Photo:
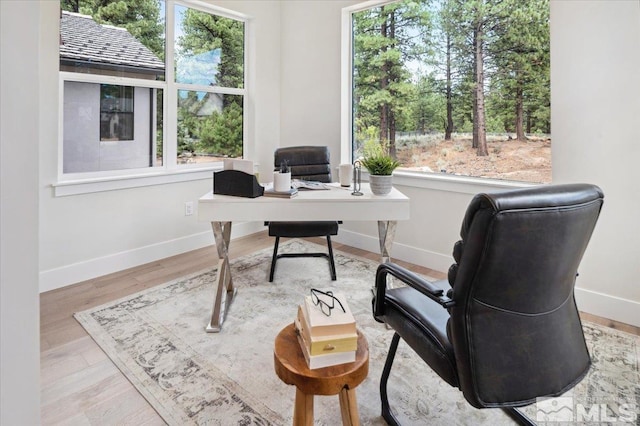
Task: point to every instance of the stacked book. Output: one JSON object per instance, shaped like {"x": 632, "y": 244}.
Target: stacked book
{"x": 269, "y": 191}
{"x": 326, "y": 340}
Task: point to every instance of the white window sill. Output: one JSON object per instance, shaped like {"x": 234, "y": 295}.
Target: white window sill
{"x": 440, "y": 182}
{"x": 452, "y": 183}
{"x": 111, "y": 183}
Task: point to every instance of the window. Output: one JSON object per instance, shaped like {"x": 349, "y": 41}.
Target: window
{"x": 153, "y": 86}
{"x": 209, "y": 79}
{"x": 451, "y": 87}
{"x": 116, "y": 112}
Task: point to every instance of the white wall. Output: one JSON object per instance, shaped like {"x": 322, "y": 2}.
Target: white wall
{"x": 295, "y": 60}
{"x": 19, "y": 296}
{"x": 83, "y": 236}
{"x": 595, "y": 110}
{"x": 310, "y": 102}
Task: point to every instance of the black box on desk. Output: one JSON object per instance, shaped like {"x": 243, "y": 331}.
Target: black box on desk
{"x": 235, "y": 182}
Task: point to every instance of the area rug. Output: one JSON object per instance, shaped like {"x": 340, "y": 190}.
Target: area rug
{"x": 157, "y": 339}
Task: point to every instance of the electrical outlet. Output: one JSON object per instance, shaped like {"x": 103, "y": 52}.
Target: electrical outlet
{"x": 188, "y": 208}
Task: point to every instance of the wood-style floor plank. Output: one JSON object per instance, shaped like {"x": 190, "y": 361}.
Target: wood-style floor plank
{"x": 81, "y": 386}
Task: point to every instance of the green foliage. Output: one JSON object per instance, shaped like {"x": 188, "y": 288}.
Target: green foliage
{"x": 221, "y": 132}
{"x": 400, "y": 77}
{"x": 381, "y": 165}
{"x": 377, "y": 160}
{"x": 204, "y": 32}
{"x": 385, "y": 41}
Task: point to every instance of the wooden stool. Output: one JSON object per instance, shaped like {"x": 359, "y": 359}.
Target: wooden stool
{"x": 341, "y": 379}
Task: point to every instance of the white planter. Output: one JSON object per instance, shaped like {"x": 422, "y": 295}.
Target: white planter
{"x": 380, "y": 185}
{"x": 281, "y": 181}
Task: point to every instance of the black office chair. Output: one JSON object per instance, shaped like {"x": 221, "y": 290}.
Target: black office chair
{"x": 306, "y": 163}
{"x": 507, "y": 331}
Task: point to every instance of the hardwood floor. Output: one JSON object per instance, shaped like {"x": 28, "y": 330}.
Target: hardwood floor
{"x": 81, "y": 386}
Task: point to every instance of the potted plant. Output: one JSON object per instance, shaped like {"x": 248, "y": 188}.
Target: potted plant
{"x": 282, "y": 178}
{"x": 380, "y": 166}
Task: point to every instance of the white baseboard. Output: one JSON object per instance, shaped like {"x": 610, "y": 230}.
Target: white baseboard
{"x": 71, "y": 274}
{"x": 600, "y": 304}
{"x": 607, "y": 306}
{"x": 416, "y": 255}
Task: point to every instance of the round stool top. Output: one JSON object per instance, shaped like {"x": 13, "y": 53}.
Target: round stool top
{"x": 292, "y": 368}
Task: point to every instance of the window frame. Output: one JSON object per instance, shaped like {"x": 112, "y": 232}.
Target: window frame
{"x": 444, "y": 182}
{"x": 170, "y": 172}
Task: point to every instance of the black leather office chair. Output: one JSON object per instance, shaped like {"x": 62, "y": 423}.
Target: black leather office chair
{"x": 507, "y": 330}
{"x": 306, "y": 163}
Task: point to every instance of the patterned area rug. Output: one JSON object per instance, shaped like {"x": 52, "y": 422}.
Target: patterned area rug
{"x": 157, "y": 339}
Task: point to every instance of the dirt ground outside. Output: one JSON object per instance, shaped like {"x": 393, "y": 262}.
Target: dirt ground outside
{"x": 508, "y": 159}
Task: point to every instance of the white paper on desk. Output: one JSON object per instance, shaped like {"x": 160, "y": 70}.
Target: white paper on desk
{"x": 237, "y": 164}
{"x": 308, "y": 184}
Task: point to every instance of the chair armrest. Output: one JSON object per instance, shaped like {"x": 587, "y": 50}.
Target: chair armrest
{"x": 412, "y": 280}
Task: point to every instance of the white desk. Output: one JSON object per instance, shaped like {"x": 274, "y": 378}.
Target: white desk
{"x": 333, "y": 204}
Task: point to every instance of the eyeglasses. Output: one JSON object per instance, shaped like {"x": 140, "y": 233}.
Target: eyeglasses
{"x": 323, "y": 305}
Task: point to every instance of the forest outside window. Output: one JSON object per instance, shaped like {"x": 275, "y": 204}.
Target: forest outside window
{"x": 149, "y": 86}
{"x": 458, "y": 88}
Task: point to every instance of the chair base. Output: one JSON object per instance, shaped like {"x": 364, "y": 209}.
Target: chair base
{"x": 517, "y": 415}
{"x": 329, "y": 257}
{"x": 387, "y": 415}
{"x": 391, "y": 420}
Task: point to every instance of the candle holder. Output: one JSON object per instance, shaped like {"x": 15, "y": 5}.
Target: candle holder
{"x": 357, "y": 178}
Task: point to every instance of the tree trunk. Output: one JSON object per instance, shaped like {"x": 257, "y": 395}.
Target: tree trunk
{"x": 75, "y": 5}
{"x": 392, "y": 116}
{"x": 384, "y": 84}
{"x": 519, "y": 115}
{"x": 474, "y": 99}
{"x": 449, "y": 124}
{"x": 479, "y": 122}
{"x": 392, "y": 135}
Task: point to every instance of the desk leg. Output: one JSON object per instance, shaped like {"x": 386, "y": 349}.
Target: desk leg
{"x": 225, "y": 291}
{"x": 386, "y": 234}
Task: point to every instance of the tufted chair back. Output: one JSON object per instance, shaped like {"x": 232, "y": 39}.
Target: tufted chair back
{"x": 514, "y": 325}
{"x": 504, "y": 328}
{"x": 310, "y": 163}
{"x": 306, "y": 162}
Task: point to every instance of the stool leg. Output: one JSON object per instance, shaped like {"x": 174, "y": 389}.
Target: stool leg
{"x": 303, "y": 409}
{"x": 349, "y": 407}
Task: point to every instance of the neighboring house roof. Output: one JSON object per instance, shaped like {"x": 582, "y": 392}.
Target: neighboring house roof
{"x": 82, "y": 40}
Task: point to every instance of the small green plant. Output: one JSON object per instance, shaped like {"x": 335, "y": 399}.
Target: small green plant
{"x": 284, "y": 167}
{"x": 377, "y": 161}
